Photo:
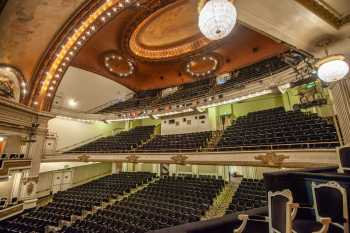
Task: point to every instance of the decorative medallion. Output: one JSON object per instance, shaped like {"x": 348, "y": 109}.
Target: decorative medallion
{"x": 12, "y": 84}
{"x": 31, "y": 179}
{"x": 202, "y": 66}
{"x": 30, "y": 188}
{"x": 179, "y": 159}
{"x": 84, "y": 158}
{"x": 132, "y": 159}
{"x": 118, "y": 65}
{"x": 158, "y": 35}
{"x": 272, "y": 159}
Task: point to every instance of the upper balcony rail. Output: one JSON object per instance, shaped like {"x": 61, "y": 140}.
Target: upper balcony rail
{"x": 302, "y": 146}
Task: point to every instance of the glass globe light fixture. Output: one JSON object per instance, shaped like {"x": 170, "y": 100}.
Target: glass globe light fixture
{"x": 217, "y": 19}
{"x": 332, "y": 68}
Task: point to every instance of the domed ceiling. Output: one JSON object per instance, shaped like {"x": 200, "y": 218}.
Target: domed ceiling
{"x": 168, "y": 33}
{"x": 164, "y": 47}
{"x": 158, "y": 41}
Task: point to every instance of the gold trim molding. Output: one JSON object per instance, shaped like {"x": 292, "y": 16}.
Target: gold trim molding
{"x": 323, "y": 12}
{"x": 132, "y": 159}
{"x": 84, "y": 158}
{"x": 272, "y": 159}
{"x": 34, "y": 179}
{"x": 179, "y": 159}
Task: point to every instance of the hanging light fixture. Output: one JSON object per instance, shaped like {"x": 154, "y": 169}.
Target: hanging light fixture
{"x": 332, "y": 67}
{"x": 217, "y": 18}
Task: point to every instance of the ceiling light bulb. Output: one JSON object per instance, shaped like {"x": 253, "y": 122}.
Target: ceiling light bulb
{"x": 332, "y": 68}
{"x": 72, "y": 103}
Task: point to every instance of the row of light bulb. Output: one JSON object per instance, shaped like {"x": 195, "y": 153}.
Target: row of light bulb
{"x": 78, "y": 38}
{"x": 113, "y": 57}
{"x": 202, "y": 74}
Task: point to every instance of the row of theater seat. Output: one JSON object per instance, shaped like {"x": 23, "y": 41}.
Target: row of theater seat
{"x": 263, "y": 130}
{"x": 167, "y": 202}
{"x": 177, "y": 142}
{"x": 122, "y": 142}
{"x": 292, "y": 129}
{"x": 250, "y": 194}
{"x": 74, "y": 202}
{"x": 202, "y": 88}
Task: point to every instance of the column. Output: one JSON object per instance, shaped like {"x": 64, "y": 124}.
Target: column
{"x": 13, "y": 144}
{"x": 117, "y": 167}
{"x": 341, "y": 98}
{"x": 30, "y": 179}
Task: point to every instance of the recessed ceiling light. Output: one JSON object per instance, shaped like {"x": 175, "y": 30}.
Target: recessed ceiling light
{"x": 72, "y": 103}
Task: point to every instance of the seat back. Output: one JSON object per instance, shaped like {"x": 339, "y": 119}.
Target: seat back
{"x": 330, "y": 200}
{"x": 280, "y": 214}
{"x": 344, "y": 158}
{"x": 3, "y": 202}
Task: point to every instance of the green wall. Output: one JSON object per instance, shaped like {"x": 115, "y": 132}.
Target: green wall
{"x": 257, "y": 104}
{"x": 143, "y": 122}
{"x": 290, "y": 97}
{"x": 235, "y": 110}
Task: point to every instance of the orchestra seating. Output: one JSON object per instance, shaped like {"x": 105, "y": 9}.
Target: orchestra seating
{"x": 281, "y": 129}
{"x": 121, "y": 142}
{"x": 177, "y": 142}
{"x": 187, "y": 93}
{"x": 250, "y": 194}
{"x": 167, "y": 202}
{"x": 75, "y": 201}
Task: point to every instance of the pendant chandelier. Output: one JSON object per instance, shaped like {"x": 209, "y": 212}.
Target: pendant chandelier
{"x": 217, "y": 18}
{"x": 332, "y": 67}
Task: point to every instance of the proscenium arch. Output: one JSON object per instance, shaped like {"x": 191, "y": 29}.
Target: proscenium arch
{"x": 85, "y": 22}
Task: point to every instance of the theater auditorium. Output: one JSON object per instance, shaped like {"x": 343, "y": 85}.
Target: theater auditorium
{"x": 174, "y": 116}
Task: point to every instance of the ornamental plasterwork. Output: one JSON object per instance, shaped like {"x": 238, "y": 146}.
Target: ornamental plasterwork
{"x": 272, "y": 159}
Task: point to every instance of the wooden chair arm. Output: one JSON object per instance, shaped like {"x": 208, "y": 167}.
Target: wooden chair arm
{"x": 325, "y": 225}
{"x": 294, "y": 208}
{"x": 244, "y": 218}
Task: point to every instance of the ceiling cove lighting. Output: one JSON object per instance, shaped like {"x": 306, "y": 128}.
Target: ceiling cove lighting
{"x": 234, "y": 100}
{"x": 156, "y": 116}
{"x": 217, "y": 18}
{"x": 128, "y": 119}
{"x": 332, "y": 68}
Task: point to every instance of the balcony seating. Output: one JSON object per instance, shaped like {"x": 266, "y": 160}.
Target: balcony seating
{"x": 252, "y": 73}
{"x": 139, "y": 99}
{"x": 5, "y": 156}
{"x": 281, "y": 129}
{"x": 168, "y": 202}
{"x": 121, "y": 142}
{"x": 249, "y": 195}
{"x": 187, "y": 93}
{"x": 189, "y": 142}
{"x": 75, "y": 201}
